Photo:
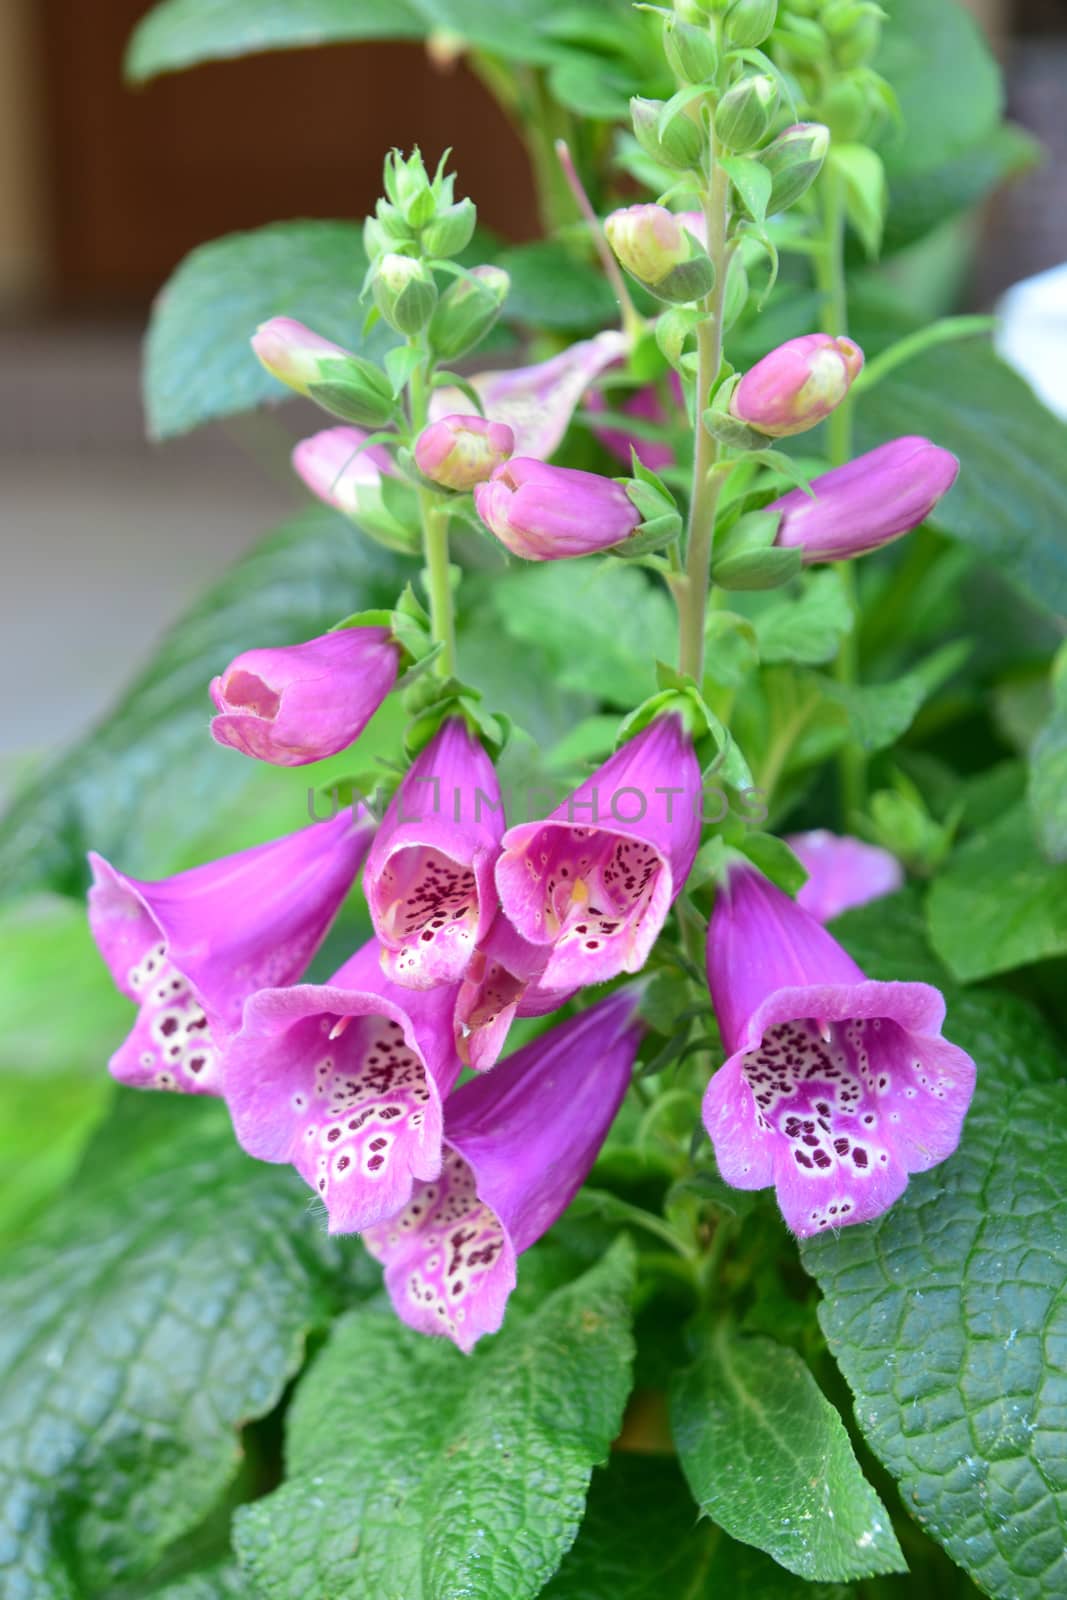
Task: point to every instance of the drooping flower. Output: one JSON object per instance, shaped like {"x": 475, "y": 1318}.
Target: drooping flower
{"x": 866, "y": 503}
{"x": 344, "y": 1080}
{"x": 842, "y": 872}
{"x": 296, "y": 703}
{"x": 458, "y": 452}
{"x": 546, "y": 513}
{"x": 797, "y": 385}
{"x": 334, "y": 465}
{"x": 429, "y": 876}
{"x": 191, "y": 948}
{"x": 537, "y": 402}
{"x": 835, "y": 1086}
{"x": 519, "y": 1143}
{"x": 595, "y": 880}
{"x": 502, "y": 982}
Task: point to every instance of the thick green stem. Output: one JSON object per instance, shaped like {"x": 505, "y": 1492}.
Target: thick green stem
{"x": 830, "y": 279}
{"x": 434, "y": 539}
{"x": 691, "y": 592}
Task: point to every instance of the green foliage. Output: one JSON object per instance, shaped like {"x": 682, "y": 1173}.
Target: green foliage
{"x": 148, "y": 786}
{"x": 808, "y": 627}
{"x": 795, "y": 1488}
{"x": 160, "y": 1304}
{"x": 414, "y": 1471}
{"x": 550, "y": 288}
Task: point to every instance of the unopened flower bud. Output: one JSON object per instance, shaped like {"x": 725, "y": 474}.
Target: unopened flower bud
{"x": 681, "y": 143}
{"x": 451, "y": 230}
{"x": 855, "y": 29}
{"x": 846, "y": 109}
{"x": 748, "y": 22}
{"x": 690, "y": 50}
{"x": 658, "y": 250}
{"x": 547, "y": 513}
{"x": 467, "y": 310}
{"x": 404, "y": 292}
{"x": 458, "y": 452}
{"x": 797, "y": 385}
{"x": 746, "y": 111}
{"x": 794, "y": 161}
{"x": 345, "y": 385}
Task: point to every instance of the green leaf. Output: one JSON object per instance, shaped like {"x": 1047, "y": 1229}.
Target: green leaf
{"x": 159, "y": 1305}
{"x": 220, "y": 1582}
{"x": 198, "y": 361}
{"x": 1047, "y": 787}
{"x": 866, "y": 195}
{"x": 639, "y": 1542}
{"x": 1010, "y": 501}
{"x": 808, "y": 628}
{"x": 793, "y": 1486}
{"x": 775, "y": 859}
{"x": 998, "y": 904}
{"x": 600, "y": 624}
{"x": 179, "y": 33}
{"x": 946, "y": 1316}
{"x": 551, "y": 289}
{"x": 752, "y": 182}
{"x": 416, "y": 1472}
{"x": 879, "y": 713}
{"x": 148, "y": 785}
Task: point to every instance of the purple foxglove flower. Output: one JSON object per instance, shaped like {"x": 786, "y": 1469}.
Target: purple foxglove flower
{"x": 835, "y": 1087}
{"x": 866, "y": 503}
{"x": 797, "y": 385}
{"x": 595, "y": 880}
{"x": 646, "y": 406}
{"x": 518, "y": 1146}
{"x": 344, "y": 1080}
{"x": 458, "y": 452}
{"x": 538, "y": 402}
{"x": 546, "y": 513}
{"x": 292, "y": 352}
{"x": 296, "y": 703}
{"x": 502, "y": 982}
{"x": 335, "y": 468}
{"x": 429, "y": 877}
{"x": 190, "y": 949}
{"x": 842, "y": 872}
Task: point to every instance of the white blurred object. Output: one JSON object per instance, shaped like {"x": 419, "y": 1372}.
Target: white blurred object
{"x": 1032, "y": 334}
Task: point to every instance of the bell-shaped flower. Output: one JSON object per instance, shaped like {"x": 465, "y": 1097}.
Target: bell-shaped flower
{"x": 503, "y": 982}
{"x": 594, "y": 881}
{"x": 345, "y": 1080}
{"x": 457, "y": 452}
{"x": 191, "y": 948}
{"x": 835, "y": 1086}
{"x": 866, "y": 503}
{"x": 335, "y": 465}
{"x": 296, "y": 703}
{"x": 546, "y": 513}
{"x": 519, "y": 1143}
{"x": 538, "y": 402}
{"x": 429, "y": 876}
{"x": 797, "y": 385}
{"x": 842, "y": 872}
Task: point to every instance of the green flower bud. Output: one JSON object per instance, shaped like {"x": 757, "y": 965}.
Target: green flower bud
{"x": 691, "y": 51}
{"x": 681, "y": 144}
{"x": 451, "y": 230}
{"x": 405, "y": 179}
{"x": 467, "y": 310}
{"x": 404, "y": 292}
{"x": 746, "y": 111}
{"x": 748, "y": 22}
{"x": 354, "y": 390}
{"x": 658, "y": 250}
{"x": 855, "y": 30}
{"x": 846, "y": 110}
{"x": 805, "y": 40}
{"x": 794, "y": 160}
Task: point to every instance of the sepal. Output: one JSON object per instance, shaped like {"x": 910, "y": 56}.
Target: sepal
{"x": 432, "y": 700}
{"x": 355, "y": 390}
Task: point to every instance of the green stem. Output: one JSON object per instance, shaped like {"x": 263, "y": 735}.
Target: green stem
{"x": 691, "y": 593}
{"x": 434, "y": 517}
{"x": 830, "y": 280}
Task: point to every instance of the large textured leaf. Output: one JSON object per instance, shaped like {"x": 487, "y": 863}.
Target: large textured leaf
{"x": 148, "y": 783}
{"x": 1010, "y": 501}
{"x": 998, "y": 904}
{"x": 767, "y": 1458}
{"x": 163, "y": 1302}
{"x": 415, "y": 1472}
{"x": 948, "y": 1316}
{"x": 551, "y": 289}
{"x": 198, "y": 364}
{"x": 179, "y": 33}
{"x": 639, "y": 1541}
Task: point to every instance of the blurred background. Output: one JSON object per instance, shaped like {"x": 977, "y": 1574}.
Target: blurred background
{"x": 103, "y": 189}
